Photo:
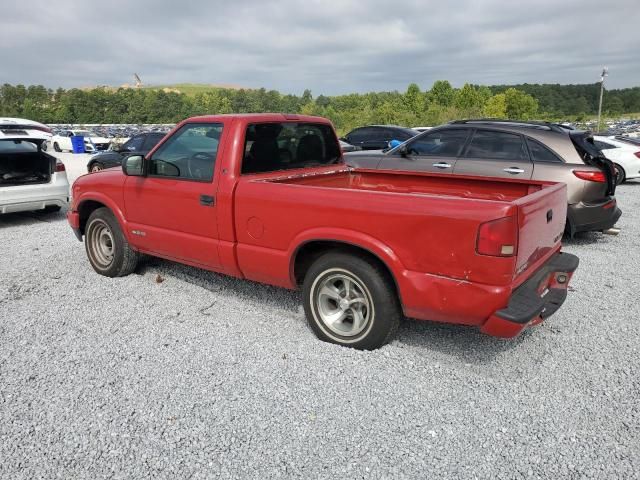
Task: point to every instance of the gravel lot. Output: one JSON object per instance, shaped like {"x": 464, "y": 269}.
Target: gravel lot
{"x": 201, "y": 375}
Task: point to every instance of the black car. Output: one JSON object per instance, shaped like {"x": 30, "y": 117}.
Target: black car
{"x": 139, "y": 144}
{"x": 377, "y": 137}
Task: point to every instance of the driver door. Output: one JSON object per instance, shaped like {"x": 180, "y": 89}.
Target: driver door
{"x": 172, "y": 209}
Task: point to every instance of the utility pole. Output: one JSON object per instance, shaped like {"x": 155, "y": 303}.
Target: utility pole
{"x": 605, "y": 72}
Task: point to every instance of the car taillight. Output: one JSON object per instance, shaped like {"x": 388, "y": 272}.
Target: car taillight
{"x": 498, "y": 238}
{"x": 590, "y": 176}
{"x": 60, "y": 166}
{"x": 637, "y": 154}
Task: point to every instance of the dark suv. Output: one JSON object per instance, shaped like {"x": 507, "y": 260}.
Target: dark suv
{"x": 139, "y": 144}
{"x": 510, "y": 149}
{"x": 377, "y": 137}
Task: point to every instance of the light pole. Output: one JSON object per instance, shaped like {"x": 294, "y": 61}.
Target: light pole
{"x": 605, "y": 73}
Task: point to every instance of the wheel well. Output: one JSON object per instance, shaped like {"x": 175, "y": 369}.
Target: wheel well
{"x": 310, "y": 252}
{"x": 85, "y": 209}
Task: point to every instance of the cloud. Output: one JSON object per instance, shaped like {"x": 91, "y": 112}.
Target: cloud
{"x": 331, "y": 46}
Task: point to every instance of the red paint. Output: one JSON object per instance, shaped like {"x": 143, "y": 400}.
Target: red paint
{"x": 423, "y": 226}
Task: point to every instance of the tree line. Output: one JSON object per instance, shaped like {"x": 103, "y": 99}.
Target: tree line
{"x": 414, "y": 107}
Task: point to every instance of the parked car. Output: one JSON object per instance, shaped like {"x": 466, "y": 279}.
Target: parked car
{"x": 628, "y": 140}
{"x": 377, "y": 137}
{"x": 30, "y": 178}
{"x": 365, "y": 247}
{"x": 624, "y": 155}
{"x": 92, "y": 142}
{"x": 139, "y": 144}
{"x": 347, "y": 147}
{"x": 27, "y": 127}
{"x": 528, "y": 150}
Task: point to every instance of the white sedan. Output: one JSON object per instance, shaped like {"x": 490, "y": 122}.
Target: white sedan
{"x": 30, "y": 178}
{"x": 27, "y": 127}
{"x": 92, "y": 142}
{"x": 625, "y": 156}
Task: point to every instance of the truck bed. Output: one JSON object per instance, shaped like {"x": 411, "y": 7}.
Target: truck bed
{"x": 420, "y": 184}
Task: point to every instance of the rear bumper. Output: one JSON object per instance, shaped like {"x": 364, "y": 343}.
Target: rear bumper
{"x": 26, "y": 198}
{"x": 592, "y": 217}
{"x": 536, "y": 299}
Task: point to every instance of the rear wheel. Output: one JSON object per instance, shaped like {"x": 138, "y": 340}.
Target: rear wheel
{"x": 621, "y": 175}
{"x": 107, "y": 248}
{"x": 96, "y": 167}
{"x": 56, "y": 147}
{"x": 351, "y": 301}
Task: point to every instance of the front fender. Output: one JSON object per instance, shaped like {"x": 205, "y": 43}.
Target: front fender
{"x": 107, "y": 202}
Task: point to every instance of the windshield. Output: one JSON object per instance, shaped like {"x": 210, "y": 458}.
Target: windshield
{"x": 17, "y": 146}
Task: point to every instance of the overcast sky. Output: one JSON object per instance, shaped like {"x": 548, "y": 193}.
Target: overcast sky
{"x": 330, "y": 47}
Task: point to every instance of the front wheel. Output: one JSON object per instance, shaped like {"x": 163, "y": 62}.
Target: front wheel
{"x": 351, "y": 301}
{"x": 56, "y": 147}
{"x": 96, "y": 167}
{"x": 107, "y": 248}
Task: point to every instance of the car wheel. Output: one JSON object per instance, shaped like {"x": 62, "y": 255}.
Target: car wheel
{"x": 56, "y": 147}
{"x": 107, "y": 248}
{"x": 52, "y": 208}
{"x": 621, "y": 175}
{"x": 351, "y": 301}
{"x": 96, "y": 167}
{"x": 44, "y": 146}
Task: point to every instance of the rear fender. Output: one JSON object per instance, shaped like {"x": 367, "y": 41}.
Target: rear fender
{"x": 349, "y": 237}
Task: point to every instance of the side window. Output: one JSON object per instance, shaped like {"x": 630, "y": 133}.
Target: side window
{"x": 189, "y": 154}
{"x": 540, "y": 153}
{"x": 151, "y": 141}
{"x": 281, "y": 146}
{"x": 498, "y": 145}
{"x": 355, "y": 136}
{"x": 134, "y": 144}
{"x": 445, "y": 143}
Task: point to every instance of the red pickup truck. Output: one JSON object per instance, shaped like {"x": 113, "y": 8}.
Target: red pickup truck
{"x": 268, "y": 198}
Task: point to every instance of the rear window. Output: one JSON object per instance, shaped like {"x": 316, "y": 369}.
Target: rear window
{"x": 540, "y": 153}
{"x": 282, "y": 146}
{"x": 17, "y": 146}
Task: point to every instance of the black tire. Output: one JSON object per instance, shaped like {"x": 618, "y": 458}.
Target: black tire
{"x": 52, "y": 208}
{"x": 96, "y": 167}
{"x": 379, "y": 318}
{"x": 621, "y": 175}
{"x": 103, "y": 234}
{"x": 56, "y": 147}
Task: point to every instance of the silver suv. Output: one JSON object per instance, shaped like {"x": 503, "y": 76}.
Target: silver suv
{"x": 509, "y": 149}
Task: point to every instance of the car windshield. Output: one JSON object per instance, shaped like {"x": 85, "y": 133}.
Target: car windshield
{"x": 17, "y": 146}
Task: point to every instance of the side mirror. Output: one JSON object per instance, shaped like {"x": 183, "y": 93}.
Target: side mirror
{"x": 132, "y": 166}
{"x": 394, "y": 143}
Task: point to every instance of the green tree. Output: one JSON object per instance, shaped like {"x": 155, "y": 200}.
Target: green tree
{"x": 520, "y": 105}
{"x": 442, "y": 93}
{"x": 496, "y": 106}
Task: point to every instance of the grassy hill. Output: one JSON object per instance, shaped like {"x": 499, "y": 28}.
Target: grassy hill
{"x": 192, "y": 89}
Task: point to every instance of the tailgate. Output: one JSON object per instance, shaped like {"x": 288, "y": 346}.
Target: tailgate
{"x": 541, "y": 219}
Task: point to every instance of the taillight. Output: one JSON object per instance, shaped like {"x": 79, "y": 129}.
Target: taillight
{"x": 60, "y": 166}
{"x": 590, "y": 176}
{"x": 498, "y": 238}
{"x": 637, "y": 154}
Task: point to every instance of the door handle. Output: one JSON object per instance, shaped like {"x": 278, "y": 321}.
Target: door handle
{"x": 513, "y": 170}
{"x": 442, "y": 165}
{"x": 207, "y": 200}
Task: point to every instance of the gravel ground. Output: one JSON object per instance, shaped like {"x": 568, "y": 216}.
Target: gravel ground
{"x": 177, "y": 373}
